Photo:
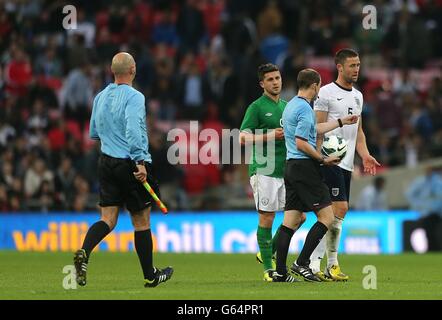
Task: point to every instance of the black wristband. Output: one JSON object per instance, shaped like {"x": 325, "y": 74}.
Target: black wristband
{"x": 340, "y": 123}
{"x": 140, "y": 162}
{"x": 321, "y": 161}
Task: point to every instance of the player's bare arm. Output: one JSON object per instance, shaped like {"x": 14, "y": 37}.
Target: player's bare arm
{"x": 321, "y": 116}
{"x": 247, "y": 137}
{"x": 325, "y": 127}
{"x": 369, "y": 162}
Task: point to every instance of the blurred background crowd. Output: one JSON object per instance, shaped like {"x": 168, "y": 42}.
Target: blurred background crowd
{"x": 197, "y": 60}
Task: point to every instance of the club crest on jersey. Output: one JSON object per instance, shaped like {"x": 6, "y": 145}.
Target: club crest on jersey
{"x": 335, "y": 192}
{"x": 358, "y": 102}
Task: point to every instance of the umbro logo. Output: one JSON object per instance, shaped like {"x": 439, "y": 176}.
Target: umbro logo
{"x": 339, "y": 99}
{"x": 269, "y": 114}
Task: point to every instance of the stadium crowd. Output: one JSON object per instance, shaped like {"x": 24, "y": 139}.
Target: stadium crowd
{"x": 197, "y": 60}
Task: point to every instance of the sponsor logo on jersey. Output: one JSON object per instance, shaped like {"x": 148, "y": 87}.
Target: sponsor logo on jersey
{"x": 269, "y": 114}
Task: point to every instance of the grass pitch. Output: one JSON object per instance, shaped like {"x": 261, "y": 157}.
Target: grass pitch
{"x": 213, "y": 276}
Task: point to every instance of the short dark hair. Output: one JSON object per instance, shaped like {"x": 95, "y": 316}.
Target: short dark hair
{"x": 266, "y": 68}
{"x": 307, "y": 77}
{"x": 343, "y": 54}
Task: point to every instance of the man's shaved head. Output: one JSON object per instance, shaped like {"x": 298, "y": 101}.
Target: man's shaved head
{"x": 122, "y": 64}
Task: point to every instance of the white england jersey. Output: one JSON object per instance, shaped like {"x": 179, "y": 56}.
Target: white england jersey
{"x": 340, "y": 102}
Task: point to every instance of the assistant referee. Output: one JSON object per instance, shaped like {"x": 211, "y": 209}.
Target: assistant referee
{"x": 119, "y": 121}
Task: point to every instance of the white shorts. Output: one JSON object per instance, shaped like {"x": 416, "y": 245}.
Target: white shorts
{"x": 269, "y": 193}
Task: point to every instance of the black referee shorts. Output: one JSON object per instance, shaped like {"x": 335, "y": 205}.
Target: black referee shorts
{"x": 119, "y": 187}
{"x": 304, "y": 186}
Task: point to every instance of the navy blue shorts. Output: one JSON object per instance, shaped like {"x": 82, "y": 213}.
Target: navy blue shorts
{"x": 338, "y": 181}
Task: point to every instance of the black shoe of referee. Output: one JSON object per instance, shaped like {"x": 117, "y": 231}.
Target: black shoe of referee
{"x": 305, "y": 272}
{"x": 161, "y": 275}
{"x": 283, "y": 277}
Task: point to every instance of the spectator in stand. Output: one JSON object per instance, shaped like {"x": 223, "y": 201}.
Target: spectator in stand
{"x": 7, "y": 175}
{"x": 420, "y": 121}
{"x": 18, "y": 73}
{"x": 64, "y": 181}
{"x": 81, "y": 194}
{"x": 274, "y": 44}
{"x": 165, "y": 30}
{"x": 373, "y": 196}
{"x": 190, "y": 26}
{"x": 425, "y": 196}
{"x": 46, "y": 197}
{"x": 49, "y": 64}
{"x": 7, "y": 133}
{"x": 4, "y": 203}
{"x": 38, "y": 119}
{"x": 404, "y": 84}
{"x": 117, "y": 22}
{"x": 35, "y": 176}
{"x": 191, "y": 89}
{"x": 77, "y": 94}
{"x": 84, "y": 28}
{"x": 6, "y": 26}
{"x": 77, "y": 52}
{"x": 106, "y": 48}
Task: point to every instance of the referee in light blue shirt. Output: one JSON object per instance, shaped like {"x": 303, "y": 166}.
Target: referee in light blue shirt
{"x": 119, "y": 122}
{"x": 305, "y": 189}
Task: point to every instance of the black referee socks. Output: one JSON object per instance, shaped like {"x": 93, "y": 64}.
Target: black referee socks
{"x": 94, "y": 235}
{"x": 282, "y": 248}
{"x": 144, "y": 247}
{"x": 312, "y": 240}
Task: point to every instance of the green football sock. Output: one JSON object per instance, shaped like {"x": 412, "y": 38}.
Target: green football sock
{"x": 264, "y": 236}
{"x": 275, "y": 239}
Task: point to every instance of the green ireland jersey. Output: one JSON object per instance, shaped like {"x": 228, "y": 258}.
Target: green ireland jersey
{"x": 266, "y": 114}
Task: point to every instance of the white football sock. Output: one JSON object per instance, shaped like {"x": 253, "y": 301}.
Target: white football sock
{"x": 333, "y": 236}
{"x": 317, "y": 255}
